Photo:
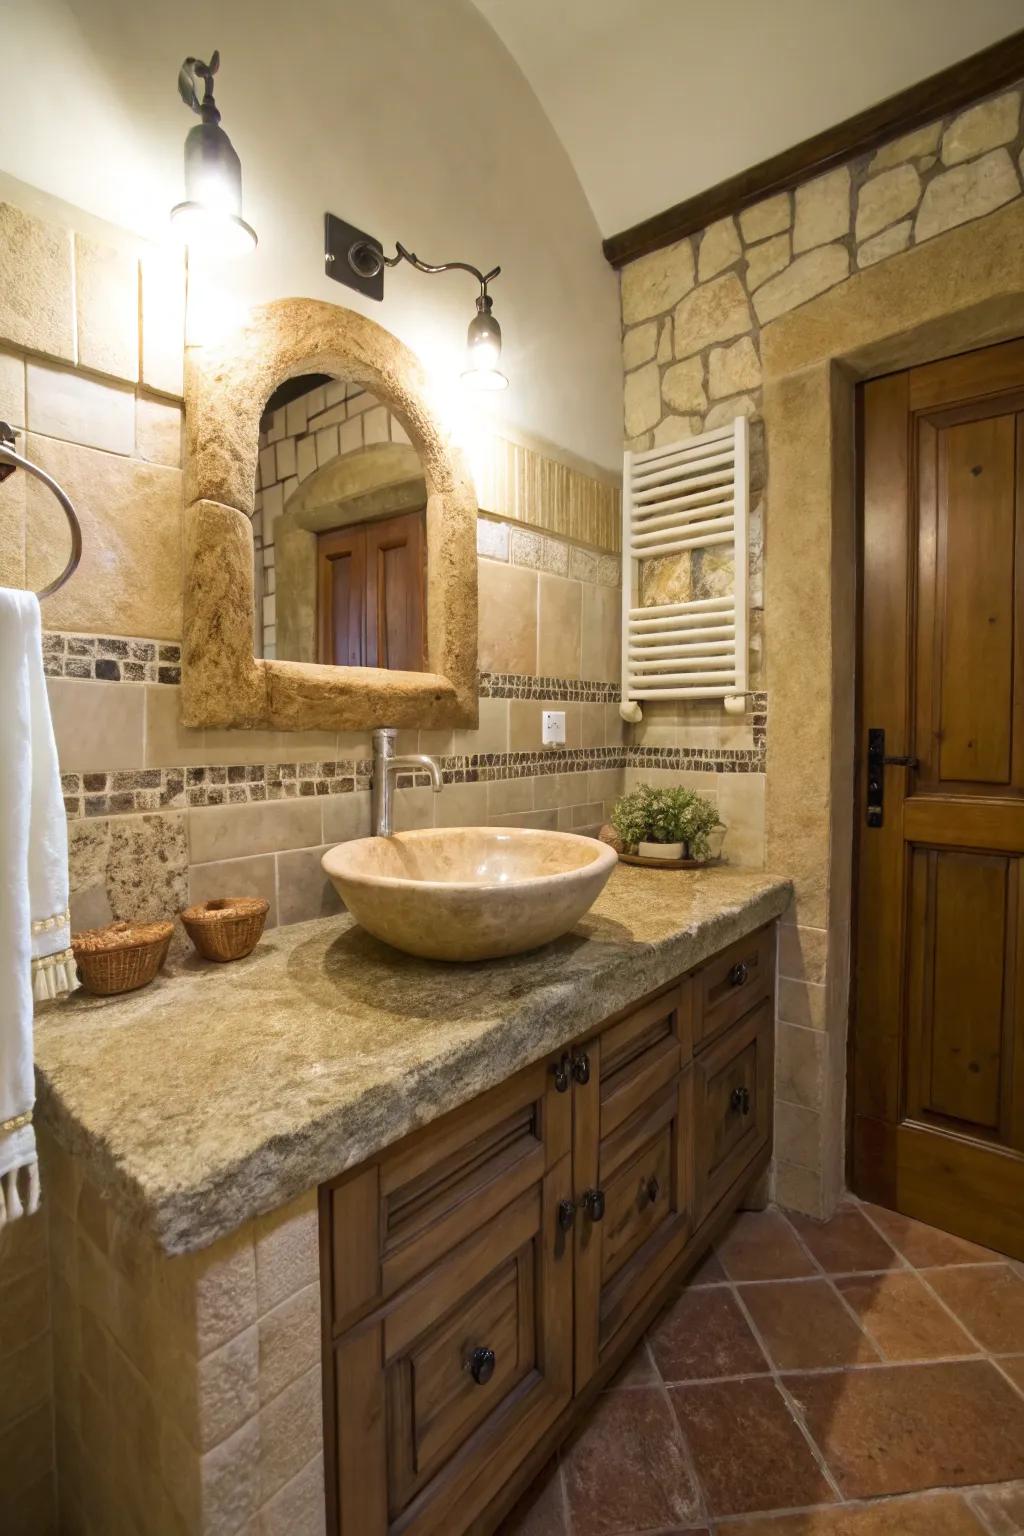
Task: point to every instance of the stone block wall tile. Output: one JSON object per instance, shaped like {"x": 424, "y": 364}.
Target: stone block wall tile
{"x": 601, "y": 643}
{"x": 289, "y": 1335}
{"x": 36, "y": 285}
{"x": 886, "y": 198}
{"x": 251, "y": 876}
{"x": 804, "y": 279}
{"x": 767, "y": 258}
{"x": 13, "y": 502}
{"x": 822, "y": 210}
{"x": 909, "y": 146}
{"x": 290, "y": 1428}
{"x": 12, "y": 388}
{"x": 287, "y": 1250}
{"x": 725, "y": 411}
{"x": 889, "y": 243}
{"x": 230, "y": 1477}
{"x": 665, "y": 341}
{"x": 673, "y": 428}
{"x": 158, "y": 430}
{"x": 238, "y": 831}
{"x": 733, "y": 369}
{"x": 297, "y": 1509}
{"x": 797, "y": 1135}
{"x": 984, "y": 126}
{"x": 107, "y": 308}
{"x": 63, "y": 403}
{"x": 98, "y": 727}
{"x": 559, "y": 626}
{"x": 508, "y": 619}
{"x": 803, "y": 952}
{"x": 227, "y": 1389}
{"x": 303, "y": 890}
{"x": 27, "y": 1451}
{"x": 212, "y": 1293}
{"x": 798, "y": 1189}
{"x": 642, "y": 399}
{"x": 682, "y": 386}
{"x": 526, "y": 548}
{"x": 802, "y": 1002}
{"x": 741, "y": 807}
{"x": 162, "y": 270}
{"x": 769, "y": 217}
{"x": 639, "y": 344}
{"x": 719, "y": 248}
{"x": 799, "y": 1065}
{"x": 716, "y": 311}
{"x": 652, "y": 284}
{"x": 966, "y": 192}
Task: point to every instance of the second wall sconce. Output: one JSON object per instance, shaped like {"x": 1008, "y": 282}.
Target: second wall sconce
{"x": 357, "y": 260}
{"x": 211, "y": 215}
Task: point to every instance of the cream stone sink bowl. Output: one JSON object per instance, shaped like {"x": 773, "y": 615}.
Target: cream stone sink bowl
{"x": 469, "y": 893}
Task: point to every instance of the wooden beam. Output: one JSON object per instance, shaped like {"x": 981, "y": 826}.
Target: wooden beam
{"x": 979, "y": 75}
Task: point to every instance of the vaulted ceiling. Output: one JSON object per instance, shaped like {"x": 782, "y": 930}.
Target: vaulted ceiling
{"x": 655, "y": 100}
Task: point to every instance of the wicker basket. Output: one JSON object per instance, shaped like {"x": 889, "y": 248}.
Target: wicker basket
{"x": 120, "y": 957}
{"x": 226, "y": 928}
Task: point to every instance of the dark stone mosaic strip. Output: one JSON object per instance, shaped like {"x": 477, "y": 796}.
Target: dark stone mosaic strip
{"x": 110, "y": 658}
{"x": 510, "y": 685}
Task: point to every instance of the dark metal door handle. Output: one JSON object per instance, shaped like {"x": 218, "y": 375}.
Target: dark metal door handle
{"x": 593, "y": 1204}
{"x": 566, "y": 1214}
{"x": 739, "y": 1100}
{"x": 899, "y": 762}
{"x": 561, "y": 1072}
{"x": 653, "y": 1189}
{"x": 581, "y": 1067}
{"x": 738, "y": 975}
{"x": 481, "y": 1365}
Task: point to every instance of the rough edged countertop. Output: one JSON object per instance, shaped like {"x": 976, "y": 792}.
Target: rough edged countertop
{"x": 221, "y": 1091}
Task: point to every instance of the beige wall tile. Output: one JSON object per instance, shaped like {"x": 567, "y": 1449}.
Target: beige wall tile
{"x": 287, "y": 1251}
{"x": 253, "y": 876}
{"x": 560, "y": 617}
{"x": 797, "y": 1135}
{"x": 298, "y": 1508}
{"x": 799, "y": 1065}
{"x": 592, "y": 725}
{"x": 163, "y": 319}
{"x": 551, "y": 790}
{"x": 346, "y": 816}
{"x": 414, "y": 808}
{"x": 289, "y": 1341}
{"x": 491, "y": 734}
{"x": 798, "y": 1189}
{"x": 290, "y": 1425}
{"x": 803, "y": 952}
{"x": 229, "y": 1482}
{"x": 169, "y": 744}
{"x": 602, "y": 633}
{"x": 238, "y": 746}
{"x": 12, "y": 388}
{"x": 546, "y": 820}
{"x": 604, "y": 784}
{"x": 12, "y": 530}
{"x": 802, "y": 1002}
{"x": 741, "y": 798}
{"x": 227, "y": 1387}
{"x": 234, "y": 831}
{"x": 303, "y": 890}
{"x": 505, "y": 796}
{"x": 98, "y": 726}
{"x": 64, "y": 403}
{"x": 461, "y": 805}
{"x": 130, "y": 578}
{"x": 508, "y": 618}
{"x": 36, "y": 297}
{"x": 158, "y": 430}
{"x": 107, "y": 308}
{"x": 615, "y": 727}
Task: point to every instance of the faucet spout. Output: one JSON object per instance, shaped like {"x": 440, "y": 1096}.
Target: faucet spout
{"x": 385, "y": 766}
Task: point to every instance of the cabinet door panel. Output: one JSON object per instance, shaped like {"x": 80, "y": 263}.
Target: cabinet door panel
{"x": 733, "y": 1108}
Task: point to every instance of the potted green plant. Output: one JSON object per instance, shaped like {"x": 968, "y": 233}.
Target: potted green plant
{"x": 665, "y": 823}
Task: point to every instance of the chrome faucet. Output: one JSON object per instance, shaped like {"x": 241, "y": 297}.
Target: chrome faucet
{"x": 385, "y": 766}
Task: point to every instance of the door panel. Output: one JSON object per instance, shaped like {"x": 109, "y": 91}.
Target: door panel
{"x": 341, "y": 560}
{"x": 394, "y": 593}
{"x": 938, "y": 1044}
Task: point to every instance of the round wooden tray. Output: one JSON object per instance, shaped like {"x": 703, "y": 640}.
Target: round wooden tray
{"x": 635, "y": 858}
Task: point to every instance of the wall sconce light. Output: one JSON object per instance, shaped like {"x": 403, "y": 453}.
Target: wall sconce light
{"x": 357, "y": 260}
{"x": 211, "y": 215}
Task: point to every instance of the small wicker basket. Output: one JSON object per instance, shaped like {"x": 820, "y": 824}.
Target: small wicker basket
{"x": 120, "y": 957}
{"x": 226, "y": 928}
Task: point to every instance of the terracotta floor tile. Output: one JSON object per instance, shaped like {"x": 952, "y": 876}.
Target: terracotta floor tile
{"x": 1014, "y": 1368}
{"x": 902, "y": 1316}
{"x": 749, "y": 1452}
{"x": 638, "y": 1370}
{"x": 1002, "y": 1508}
{"x": 760, "y": 1246}
{"x": 845, "y": 1243}
{"x": 989, "y": 1301}
{"x": 627, "y": 1470}
{"x": 710, "y": 1272}
{"x": 933, "y": 1514}
{"x": 703, "y": 1335}
{"x": 921, "y": 1245}
{"x": 542, "y": 1512}
{"x": 804, "y": 1325}
{"x": 901, "y": 1428}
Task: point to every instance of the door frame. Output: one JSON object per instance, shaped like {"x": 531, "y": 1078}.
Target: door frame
{"x": 957, "y": 292}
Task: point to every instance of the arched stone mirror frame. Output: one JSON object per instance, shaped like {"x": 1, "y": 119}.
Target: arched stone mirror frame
{"x": 227, "y": 385}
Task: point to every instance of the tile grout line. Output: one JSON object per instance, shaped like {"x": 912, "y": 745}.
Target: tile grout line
{"x": 831, "y": 1279}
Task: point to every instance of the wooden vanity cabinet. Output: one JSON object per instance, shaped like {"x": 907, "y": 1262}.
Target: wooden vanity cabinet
{"x": 484, "y": 1278}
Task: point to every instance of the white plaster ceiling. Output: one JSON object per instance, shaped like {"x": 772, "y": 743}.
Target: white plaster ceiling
{"x": 656, "y": 100}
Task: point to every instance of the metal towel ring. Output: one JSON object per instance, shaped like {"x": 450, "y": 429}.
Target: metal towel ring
{"x": 14, "y": 461}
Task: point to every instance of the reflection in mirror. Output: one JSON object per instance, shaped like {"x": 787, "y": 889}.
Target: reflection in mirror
{"x": 339, "y": 530}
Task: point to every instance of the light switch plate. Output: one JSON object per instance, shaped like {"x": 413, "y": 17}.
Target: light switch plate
{"x": 552, "y": 727}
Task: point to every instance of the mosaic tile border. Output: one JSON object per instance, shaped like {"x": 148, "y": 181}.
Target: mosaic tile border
{"x": 111, "y": 658}
{"x": 570, "y": 690}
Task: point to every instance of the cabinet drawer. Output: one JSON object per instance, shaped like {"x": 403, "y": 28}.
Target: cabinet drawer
{"x": 397, "y": 1216}
{"x": 733, "y": 1108}
{"x": 641, "y": 1053}
{"x": 733, "y": 982}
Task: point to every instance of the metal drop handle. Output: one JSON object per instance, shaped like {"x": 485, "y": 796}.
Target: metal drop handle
{"x": 593, "y": 1204}
{"x": 738, "y": 975}
{"x": 481, "y": 1365}
{"x": 739, "y": 1100}
{"x": 581, "y": 1067}
{"x": 653, "y": 1189}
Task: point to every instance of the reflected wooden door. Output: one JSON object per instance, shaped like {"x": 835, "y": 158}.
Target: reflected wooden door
{"x": 938, "y": 1045}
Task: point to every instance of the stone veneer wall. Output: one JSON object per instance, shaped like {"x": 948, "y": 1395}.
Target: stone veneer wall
{"x": 692, "y": 318}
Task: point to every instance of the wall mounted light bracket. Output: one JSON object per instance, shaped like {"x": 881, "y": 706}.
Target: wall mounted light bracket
{"x": 357, "y": 259}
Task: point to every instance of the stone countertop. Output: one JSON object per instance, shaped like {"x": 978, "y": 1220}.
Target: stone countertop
{"x": 221, "y": 1091}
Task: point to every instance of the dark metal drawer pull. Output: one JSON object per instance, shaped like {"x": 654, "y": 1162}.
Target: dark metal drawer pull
{"x": 653, "y": 1189}
{"x": 481, "y": 1365}
{"x": 738, "y": 975}
{"x": 561, "y": 1071}
{"x": 581, "y": 1067}
{"x": 739, "y": 1100}
{"x": 566, "y": 1214}
{"x": 593, "y": 1204}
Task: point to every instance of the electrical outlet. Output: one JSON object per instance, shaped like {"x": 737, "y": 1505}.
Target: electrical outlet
{"x": 552, "y": 727}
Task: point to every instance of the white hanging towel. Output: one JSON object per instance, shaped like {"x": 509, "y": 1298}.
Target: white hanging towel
{"x": 35, "y": 925}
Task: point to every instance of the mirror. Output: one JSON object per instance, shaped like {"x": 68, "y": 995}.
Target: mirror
{"x": 339, "y": 530}
{"x": 251, "y": 641}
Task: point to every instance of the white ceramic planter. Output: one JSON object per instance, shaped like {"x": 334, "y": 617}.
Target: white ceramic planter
{"x": 660, "y": 850}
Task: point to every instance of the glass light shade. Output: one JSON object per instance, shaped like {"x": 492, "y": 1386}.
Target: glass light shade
{"x": 211, "y": 216}
{"x": 483, "y": 349}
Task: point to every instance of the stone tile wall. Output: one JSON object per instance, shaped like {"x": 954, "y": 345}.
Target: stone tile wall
{"x": 693, "y": 316}
{"x": 189, "y": 1389}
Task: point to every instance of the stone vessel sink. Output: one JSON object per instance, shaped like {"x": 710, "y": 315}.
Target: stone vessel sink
{"x": 469, "y": 893}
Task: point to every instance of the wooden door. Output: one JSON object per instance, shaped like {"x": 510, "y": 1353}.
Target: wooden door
{"x": 370, "y": 594}
{"x": 447, "y": 1312}
{"x": 938, "y": 1056}
{"x": 632, "y": 1167}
